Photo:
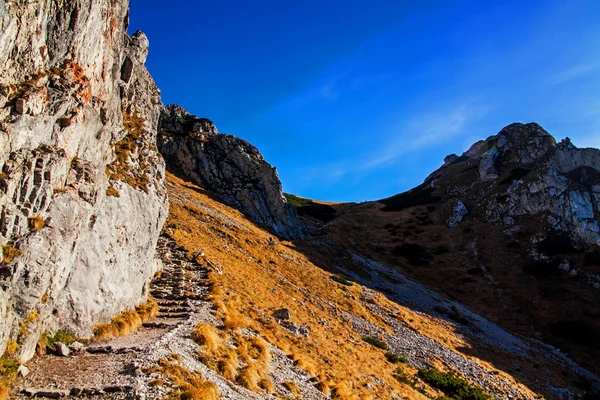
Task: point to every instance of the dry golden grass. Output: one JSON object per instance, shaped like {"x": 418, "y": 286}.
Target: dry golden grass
{"x": 249, "y": 377}
{"x": 4, "y": 391}
{"x": 36, "y": 223}
{"x": 127, "y": 321}
{"x": 227, "y": 365}
{"x": 190, "y": 385}
{"x": 206, "y": 335}
{"x": 111, "y": 191}
{"x": 234, "y": 320}
{"x": 344, "y": 391}
{"x": 219, "y": 356}
{"x": 292, "y": 387}
{"x": 9, "y": 253}
{"x": 261, "y": 277}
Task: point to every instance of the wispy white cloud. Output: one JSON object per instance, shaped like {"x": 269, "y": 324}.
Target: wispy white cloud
{"x": 573, "y": 72}
{"x": 417, "y": 134}
{"x": 427, "y": 130}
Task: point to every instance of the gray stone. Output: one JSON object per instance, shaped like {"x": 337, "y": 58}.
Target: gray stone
{"x": 48, "y": 393}
{"x": 76, "y": 346}
{"x": 450, "y": 159}
{"x": 458, "y": 212}
{"x": 564, "y": 266}
{"x": 23, "y": 371}
{"x": 62, "y": 350}
{"x": 529, "y": 174}
{"x": 283, "y": 314}
{"x": 20, "y": 106}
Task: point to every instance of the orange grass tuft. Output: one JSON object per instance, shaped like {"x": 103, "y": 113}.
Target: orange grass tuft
{"x": 127, "y": 321}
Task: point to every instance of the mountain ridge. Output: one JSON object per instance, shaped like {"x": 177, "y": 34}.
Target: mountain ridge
{"x": 466, "y": 277}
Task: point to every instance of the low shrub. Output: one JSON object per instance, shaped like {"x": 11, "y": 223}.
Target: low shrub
{"x": 373, "y": 341}
{"x": 341, "y": 280}
{"x": 395, "y": 358}
{"x": 48, "y": 341}
{"x": 452, "y": 385}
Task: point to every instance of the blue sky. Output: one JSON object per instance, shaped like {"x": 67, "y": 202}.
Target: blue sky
{"x": 359, "y": 100}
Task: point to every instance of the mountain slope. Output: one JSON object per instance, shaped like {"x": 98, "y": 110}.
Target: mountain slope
{"x": 509, "y": 229}
{"x": 260, "y": 276}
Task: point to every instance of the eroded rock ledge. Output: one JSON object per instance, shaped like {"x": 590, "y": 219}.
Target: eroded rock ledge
{"x": 229, "y": 167}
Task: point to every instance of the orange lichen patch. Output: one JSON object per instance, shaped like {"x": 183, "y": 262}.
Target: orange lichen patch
{"x": 73, "y": 73}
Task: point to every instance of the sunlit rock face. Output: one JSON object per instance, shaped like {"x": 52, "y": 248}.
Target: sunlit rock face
{"x": 522, "y": 172}
{"x": 229, "y": 167}
{"x": 82, "y": 194}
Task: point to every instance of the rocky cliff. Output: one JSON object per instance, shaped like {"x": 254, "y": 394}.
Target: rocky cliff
{"x": 82, "y": 195}
{"x": 229, "y": 167}
{"x": 523, "y": 172}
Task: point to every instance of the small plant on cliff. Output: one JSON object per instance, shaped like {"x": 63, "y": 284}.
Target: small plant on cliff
{"x": 9, "y": 253}
{"x": 132, "y": 144}
{"x": 36, "y": 223}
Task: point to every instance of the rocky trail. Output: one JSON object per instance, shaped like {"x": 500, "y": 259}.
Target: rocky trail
{"x": 112, "y": 369}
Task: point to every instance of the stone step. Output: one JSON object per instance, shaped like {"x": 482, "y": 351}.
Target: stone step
{"x": 174, "y": 315}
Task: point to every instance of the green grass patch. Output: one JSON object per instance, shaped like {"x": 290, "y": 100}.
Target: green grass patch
{"x": 373, "y": 341}
{"x": 297, "y": 201}
{"x": 453, "y": 386}
{"x": 341, "y": 280}
{"x": 395, "y": 358}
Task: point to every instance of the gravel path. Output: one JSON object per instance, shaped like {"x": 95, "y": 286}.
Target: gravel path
{"x": 113, "y": 369}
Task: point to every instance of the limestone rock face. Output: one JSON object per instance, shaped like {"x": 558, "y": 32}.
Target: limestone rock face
{"x": 82, "y": 194}
{"x": 522, "y": 172}
{"x": 229, "y": 167}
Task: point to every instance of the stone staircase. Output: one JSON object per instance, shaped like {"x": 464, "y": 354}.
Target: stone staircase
{"x": 112, "y": 369}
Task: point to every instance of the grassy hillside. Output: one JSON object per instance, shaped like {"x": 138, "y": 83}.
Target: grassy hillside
{"x": 256, "y": 275}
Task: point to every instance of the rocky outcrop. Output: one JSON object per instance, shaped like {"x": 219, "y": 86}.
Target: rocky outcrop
{"x": 229, "y": 167}
{"x": 522, "y": 172}
{"x": 82, "y": 195}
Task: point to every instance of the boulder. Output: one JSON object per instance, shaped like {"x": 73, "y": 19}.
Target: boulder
{"x": 283, "y": 314}
{"x": 61, "y": 349}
